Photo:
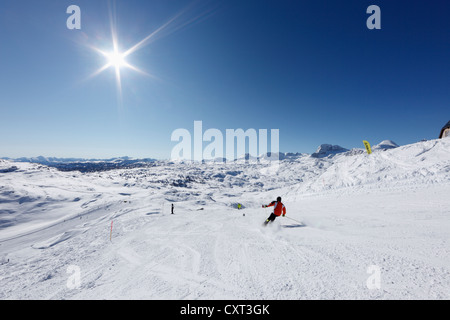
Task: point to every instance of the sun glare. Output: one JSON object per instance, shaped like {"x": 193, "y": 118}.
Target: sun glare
{"x": 116, "y": 59}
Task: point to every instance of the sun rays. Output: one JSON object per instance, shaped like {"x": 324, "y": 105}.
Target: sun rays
{"x": 117, "y": 59}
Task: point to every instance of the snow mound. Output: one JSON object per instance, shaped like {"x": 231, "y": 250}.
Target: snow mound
{"x": 385, "y": 145}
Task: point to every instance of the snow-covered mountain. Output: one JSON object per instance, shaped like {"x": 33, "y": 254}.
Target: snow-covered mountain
{"x": 87, "y": 165}
{"x": 384, "y": 145}
{"x": 326, "y": 150}
{"x": 53, "y": 160}
{"x": 348, "y": 213}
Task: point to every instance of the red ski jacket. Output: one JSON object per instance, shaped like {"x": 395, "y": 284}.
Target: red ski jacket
{"x": 278, "y": 209}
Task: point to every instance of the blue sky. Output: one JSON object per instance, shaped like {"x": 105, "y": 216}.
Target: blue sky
{"x": 310, "y": 68}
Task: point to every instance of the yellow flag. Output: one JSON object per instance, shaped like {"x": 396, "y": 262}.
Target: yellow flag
{"x": 367, "y": 145}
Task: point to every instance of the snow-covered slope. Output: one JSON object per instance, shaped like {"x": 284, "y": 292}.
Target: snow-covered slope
{"x": 348, "y": 213}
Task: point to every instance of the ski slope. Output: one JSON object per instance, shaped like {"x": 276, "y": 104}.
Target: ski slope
{"x": 347, "y": 213}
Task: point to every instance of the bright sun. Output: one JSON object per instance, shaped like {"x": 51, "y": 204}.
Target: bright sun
{"x": 116, "y": 59}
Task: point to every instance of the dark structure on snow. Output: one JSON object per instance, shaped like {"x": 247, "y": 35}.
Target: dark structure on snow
{"x": 445, "y": 132}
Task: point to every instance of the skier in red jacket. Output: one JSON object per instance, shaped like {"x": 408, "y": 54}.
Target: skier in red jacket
{"x": 278, "y": 210}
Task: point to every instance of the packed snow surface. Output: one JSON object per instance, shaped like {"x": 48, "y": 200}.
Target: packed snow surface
{"x": 358, "y": 226}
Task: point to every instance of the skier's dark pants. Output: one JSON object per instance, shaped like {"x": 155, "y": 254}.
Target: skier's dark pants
{"x": 271, "y": 218}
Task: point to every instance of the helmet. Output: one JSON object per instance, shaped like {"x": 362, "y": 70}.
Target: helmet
{"x": 279, "y": 199}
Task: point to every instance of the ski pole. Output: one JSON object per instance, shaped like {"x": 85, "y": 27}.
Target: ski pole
{"x": 294, "y": 220}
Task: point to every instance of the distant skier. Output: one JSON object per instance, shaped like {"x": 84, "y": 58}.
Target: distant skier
{"x": 278, "y": 210}
{"x": 172, "y": 208}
